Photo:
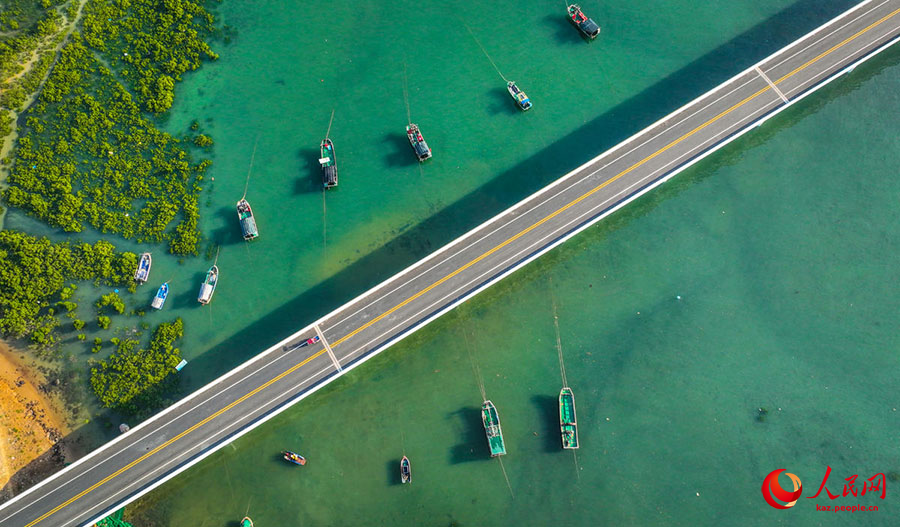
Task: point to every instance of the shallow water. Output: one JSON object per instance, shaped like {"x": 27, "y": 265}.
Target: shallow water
{"x": 287, "y": 66}
{"x": 761, "y": 279}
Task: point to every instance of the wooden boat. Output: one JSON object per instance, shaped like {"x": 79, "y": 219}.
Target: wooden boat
{"x": 246, "y": 522}
{"x": 248, "y": 223}
{"x": 405, "y": 474}
{"x": 568, "y": 426}
{"x": 588, "y": 27}
{"x": 142, "y": 274}
{"x": 209, "y": 285}
{"x": 328, "y": 161}
{"x": 293, "y": 457}
{"x": 522, "y": 100}
{"x": 417, "y": 142}
{"x": 491, "y": 421}
{"x": 160, "y": 297}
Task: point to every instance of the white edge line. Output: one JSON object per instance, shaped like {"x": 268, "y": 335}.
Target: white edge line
{"x": 203, "y": 455}
{"x": 246, "y": 364}
{"x": 412, "y": 329}
{"x": 807, "y": 90}
{"x": 606, "y": 153}
{"x": 585, "y": 177}
{"x": 170, "y": 409}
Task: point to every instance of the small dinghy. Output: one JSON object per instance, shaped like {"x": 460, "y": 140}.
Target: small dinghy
{"x": 246, "y": 522}
{"x": 142, "y": 274}
{"x": 328, "y": 161}
{"x": 209, "y": 285}
{"x": 294, "y": 458}
{"x": 248, "y": 224}
{"x": 405, "y": 474}
{"x": 588, "y": 27}
{"x": 522, "y": 100}
{"x": 417, "y": 142}
{"x": 160, "y": 297}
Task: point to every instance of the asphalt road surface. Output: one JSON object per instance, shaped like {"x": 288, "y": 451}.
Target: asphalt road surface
{"x": 178, "y": 437}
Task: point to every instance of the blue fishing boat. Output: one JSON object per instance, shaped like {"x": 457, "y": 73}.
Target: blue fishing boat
{"x": 522, "y": 100}
{"x": 160, "y": 297}
{"x": 293, "y": 457}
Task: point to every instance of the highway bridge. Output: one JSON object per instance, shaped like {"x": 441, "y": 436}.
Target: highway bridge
{"x": 180, "y": 436}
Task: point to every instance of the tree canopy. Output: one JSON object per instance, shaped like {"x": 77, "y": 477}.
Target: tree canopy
{"x": 88, "y": 155}
{"x": 33, "y": 277}
{"x": 135, "y": 381}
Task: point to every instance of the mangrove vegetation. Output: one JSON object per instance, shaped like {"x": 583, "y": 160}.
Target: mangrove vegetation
{"x": 88, "y": 154}
{"x": 136, "y": 381}
{"x": 35, "y": 275}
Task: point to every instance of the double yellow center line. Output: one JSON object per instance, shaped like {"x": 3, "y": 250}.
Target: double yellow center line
{"x": 456, "y": 272}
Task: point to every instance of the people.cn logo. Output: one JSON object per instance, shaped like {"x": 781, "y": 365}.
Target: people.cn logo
{"x": 772, "y": 490}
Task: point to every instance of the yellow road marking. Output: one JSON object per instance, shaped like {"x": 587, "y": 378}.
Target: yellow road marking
{"x": 546, "y": 219}
{"x": 839, "y": 44}
{"x": 604, "y": 184}
{"x": 176, "y": 438}
{"x": 456, "y": 272}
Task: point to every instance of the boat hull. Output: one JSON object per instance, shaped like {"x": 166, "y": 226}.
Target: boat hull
{"x": 405, "y": 470}
{"x": 160, "y": 299}
{"x": 522, "y": 101}
{"x": 568, "y": 423}
{"x": 142, "y": 274}
{"x": 585, "y": 25}
{"x": 209, "y": 286}
{"x": 328, "y": 162}
{"x": 491, "y": 420}
{"x": 246, "y": 522}
{"x": 417, "y": 142}
{"x": 294, "y": 458}
{"x": 248, "y": 223}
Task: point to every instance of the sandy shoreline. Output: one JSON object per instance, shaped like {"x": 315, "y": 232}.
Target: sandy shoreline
{"x": 31, "y": 425}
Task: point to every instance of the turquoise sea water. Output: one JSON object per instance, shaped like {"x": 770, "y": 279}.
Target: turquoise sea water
{"x": 780, "y": 247}
{"x": 288, "y": 65}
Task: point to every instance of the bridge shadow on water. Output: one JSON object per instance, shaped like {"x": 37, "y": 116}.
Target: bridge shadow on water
{"x": 522, "y": 180}
{"x": 529, "y": 176}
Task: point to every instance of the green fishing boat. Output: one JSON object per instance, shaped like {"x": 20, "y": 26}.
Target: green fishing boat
{"x": 567, "y": 424}
{"x": 492, "y": 430}
{"x": 328, "y": 161}
{"x": 246, "y": 522}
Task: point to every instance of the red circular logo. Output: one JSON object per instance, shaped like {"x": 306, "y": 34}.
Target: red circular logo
{"x": 771, "y": 490}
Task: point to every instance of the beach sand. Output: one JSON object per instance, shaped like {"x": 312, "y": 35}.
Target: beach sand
{"x": 30, "y": 426}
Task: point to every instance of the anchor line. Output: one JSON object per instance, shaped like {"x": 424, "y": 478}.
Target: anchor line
{"x": 486, "y": 53}
{"x": 562, "y": 363}
{"x": 250, "y": 170}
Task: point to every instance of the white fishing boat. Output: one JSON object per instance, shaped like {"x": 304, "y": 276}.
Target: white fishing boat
{"x": 142, "y": 274}
{"x": 209, "y": 285}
